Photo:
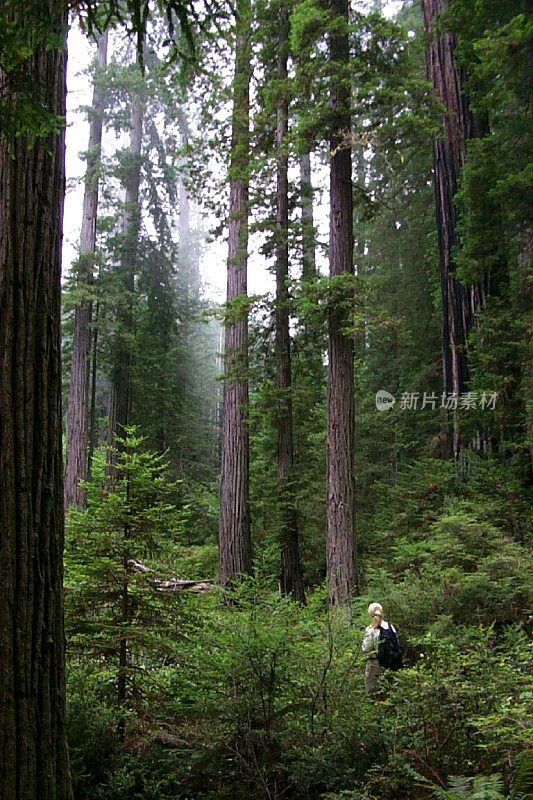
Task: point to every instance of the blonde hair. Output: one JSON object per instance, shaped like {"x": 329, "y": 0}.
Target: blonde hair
{"x": 375, "y": 608}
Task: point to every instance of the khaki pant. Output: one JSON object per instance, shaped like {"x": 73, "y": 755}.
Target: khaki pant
{"x": 372, "y": 673}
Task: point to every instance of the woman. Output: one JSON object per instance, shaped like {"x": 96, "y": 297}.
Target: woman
{"x": 371, "y": 644}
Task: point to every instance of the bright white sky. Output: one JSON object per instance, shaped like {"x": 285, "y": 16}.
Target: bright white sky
{"x": 214, "y": 253}
{"x": 213, "y": 260}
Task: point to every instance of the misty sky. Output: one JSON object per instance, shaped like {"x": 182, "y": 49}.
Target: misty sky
{"x": 214, "y": 253}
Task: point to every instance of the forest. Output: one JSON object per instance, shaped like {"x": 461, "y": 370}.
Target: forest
{"x": 266, "y": 399}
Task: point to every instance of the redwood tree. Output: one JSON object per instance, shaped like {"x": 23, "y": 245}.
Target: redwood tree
{"x": 76, "y": 461}
{"x": 459, "y": 303}
{"x": 308, "y": 225}
{"x": 120, "y": 396}
{"x": 340, "y": 536}
{"x": 291, "y": 577}
{"x": 235, "y": 549}
{"x": 33, "y": 752}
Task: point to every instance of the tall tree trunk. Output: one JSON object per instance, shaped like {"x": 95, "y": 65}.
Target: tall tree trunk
{"x": 525, "y": 263}
{"x": 33, "y": 750}
{"x": 78, "y": 396}
{"x": 308, "y": 225}
{"x": 92, "y": 412}
{"x": 120, "y": 399}
{"x": 187, "y": 252}
{"x": 291, "y": 576}
{"x": 235, "y": 547}
{"x": 340, "y": 536}
{"x": 359, "y": 253}
{"x": 121, "y": 388}
{"x": 459, "y": 303}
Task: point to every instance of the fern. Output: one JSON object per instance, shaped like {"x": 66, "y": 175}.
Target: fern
{"x": 482, "y": 787}
{"x": 523, "y": 779}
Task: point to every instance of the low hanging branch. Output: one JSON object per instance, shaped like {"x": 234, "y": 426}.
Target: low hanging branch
{"x": 134, "y": 14}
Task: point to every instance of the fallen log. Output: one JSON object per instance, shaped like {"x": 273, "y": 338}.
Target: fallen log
{"x": 178, "y": 584}
{"x": 173, "y": 584}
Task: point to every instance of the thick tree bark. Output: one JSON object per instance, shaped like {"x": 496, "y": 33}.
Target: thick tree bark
{"x": 120, "y": 395}
{"x": 309, "y": 270}
{"x": 92, "y": 413}
{"x": 78, "y": 397}
{"x": 359, "y": 254}
{"x": 235, "y": 548}
{"x": 291, "y": 575}
{"x": 33, "y": 750}
{"x": 340, "y": 536}
{"x": 459, "y": 303}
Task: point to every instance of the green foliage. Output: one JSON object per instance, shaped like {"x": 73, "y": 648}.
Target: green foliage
{"x": 266, "y": 698}
{"x": 259, "y": 697}
{"x": 199, "y": 562}
{"x": 495, "y": 213}
{"x": 478, "y": 788}
{"x": 92, "y": 722}
{"x": 449, "y": 547}
{"x": 523, "y": 777}
{"x": 309, "y": 20}
{"x": 23, "y": 110}
{"x": 113, "y": 566}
